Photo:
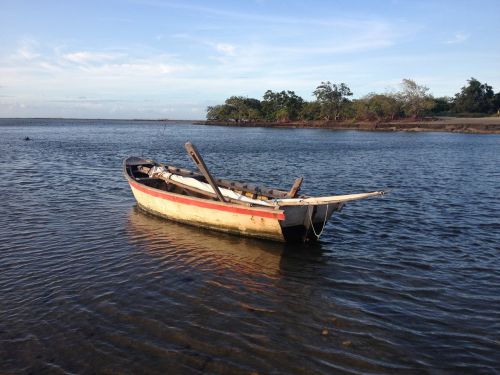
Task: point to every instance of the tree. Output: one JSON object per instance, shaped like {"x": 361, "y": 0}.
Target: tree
{"x": 236, "y": 108}
{"x": 332, "y": 98}
{"x": 281, "y": 106}
{"x": 310, "y": 111}
{"x": 442, "y": 105}
{"x": 219, "y": 112}
{"x": 414, "y": 98}
{"x": 496, "y": 103}
{"x": 359, "y": 110}
{"x": 385, "y": 107}
{"x": 476, "y": 97}
{"x": 244, "y": 109}
{"x": 376, "y": 107}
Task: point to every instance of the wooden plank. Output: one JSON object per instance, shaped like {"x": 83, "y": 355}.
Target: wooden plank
{"x": 195, "y": 155}
{"x": 295, "y": 188}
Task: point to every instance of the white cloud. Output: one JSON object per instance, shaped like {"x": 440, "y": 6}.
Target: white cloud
{"x": 225, "y": 48}
{"x": 458, "y": 38}
{"x": 144, "y": 68}
{"x": 26, "y": 53}
{"x": 48, "y": 66}
{"x": 84, "y": 57}
{"x": 27, "y": 50}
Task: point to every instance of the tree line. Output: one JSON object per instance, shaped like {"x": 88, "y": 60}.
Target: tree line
{"x": 333, "y": 103}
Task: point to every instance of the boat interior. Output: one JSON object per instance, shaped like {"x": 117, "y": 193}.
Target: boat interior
{"x": 138, "y": 169}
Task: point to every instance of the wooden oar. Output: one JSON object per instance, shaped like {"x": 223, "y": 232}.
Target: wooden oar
{"x": 195, "y": 155}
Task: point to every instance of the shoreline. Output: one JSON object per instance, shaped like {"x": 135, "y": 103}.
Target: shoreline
{"x": 470, "y": 125}
{"x": 466, "y": 125}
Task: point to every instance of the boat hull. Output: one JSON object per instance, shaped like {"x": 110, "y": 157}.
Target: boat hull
{"x": 247, "y": 221}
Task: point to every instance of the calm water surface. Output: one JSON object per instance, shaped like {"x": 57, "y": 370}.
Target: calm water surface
{"x": 408, "y": 283}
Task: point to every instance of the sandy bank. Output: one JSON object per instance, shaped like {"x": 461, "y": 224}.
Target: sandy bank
{"x": 481, "y": 125}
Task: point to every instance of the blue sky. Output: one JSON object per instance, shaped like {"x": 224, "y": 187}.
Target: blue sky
{"x": 171, "y": 59}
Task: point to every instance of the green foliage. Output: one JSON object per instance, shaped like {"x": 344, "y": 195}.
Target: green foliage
{"x": 385, "y": 107}
{"x": 236, "y": 108}
{"x": 359, "y": 110}
{"x": 442, "y": 105}
{"x": 414, "y": 99}
{"x": 376, "y": 107}
{"x": 282, "y": 115}
{"x": 476, "y": 97}
{"x": 332, "y": 103}
{"x": 310, "y": 111}
{"x": 281, "y": 106}
{"x": 220, "y": 112}
{"x": 496, "y": 103}
{"x": 332, "y": 98}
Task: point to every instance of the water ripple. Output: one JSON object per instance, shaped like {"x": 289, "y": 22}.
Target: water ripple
{"x": 403, "y": 284}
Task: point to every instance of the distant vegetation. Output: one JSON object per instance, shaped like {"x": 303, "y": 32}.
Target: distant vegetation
{"x": 333, "y": 103}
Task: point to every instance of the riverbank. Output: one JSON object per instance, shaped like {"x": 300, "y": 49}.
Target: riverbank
{"x": 480, "y": 125}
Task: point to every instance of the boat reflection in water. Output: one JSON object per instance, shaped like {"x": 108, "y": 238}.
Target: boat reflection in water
{"x": 203, "y": 249}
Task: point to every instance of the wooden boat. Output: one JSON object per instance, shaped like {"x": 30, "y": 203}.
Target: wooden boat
{"x": 230, "y": 206}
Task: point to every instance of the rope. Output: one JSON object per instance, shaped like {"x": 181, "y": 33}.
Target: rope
{"x": 324, "y": 222}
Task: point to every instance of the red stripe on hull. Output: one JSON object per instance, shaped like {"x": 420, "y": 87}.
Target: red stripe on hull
{"x": 204, "y": 204}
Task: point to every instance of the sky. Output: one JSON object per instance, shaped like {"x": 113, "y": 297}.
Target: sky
{"x": 159, "y": 59}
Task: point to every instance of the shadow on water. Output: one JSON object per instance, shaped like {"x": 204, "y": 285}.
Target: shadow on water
{"x": 199, "y": 247}
{"x": 164, "y": 238}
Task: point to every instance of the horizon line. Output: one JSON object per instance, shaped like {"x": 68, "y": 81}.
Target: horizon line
{"x": 95, "y": 118}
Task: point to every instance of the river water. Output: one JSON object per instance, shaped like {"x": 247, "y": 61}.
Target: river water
{"x": 407, "y": 283}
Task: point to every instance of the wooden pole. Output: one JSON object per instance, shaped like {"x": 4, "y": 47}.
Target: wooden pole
{"x": 295, "y": 188}
{"x": 195, "y": 155}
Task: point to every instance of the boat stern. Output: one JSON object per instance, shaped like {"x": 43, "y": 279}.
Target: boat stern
{"x": 304, "y": 223}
